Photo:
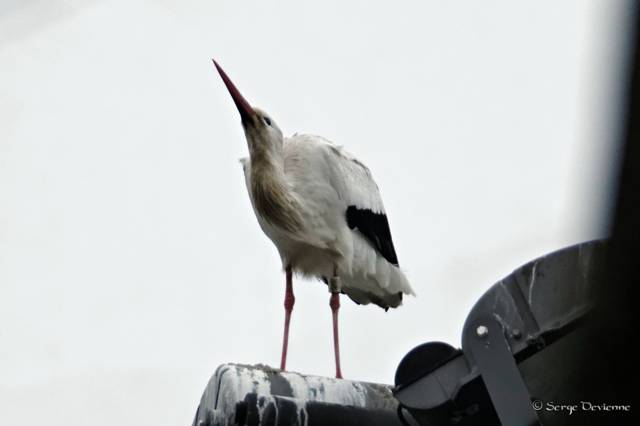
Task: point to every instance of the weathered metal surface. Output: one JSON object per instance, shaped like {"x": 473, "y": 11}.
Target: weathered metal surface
{"x": 487, "y": 344}
{"x": 261, "y": 395}
{"x": 536, "y": 309}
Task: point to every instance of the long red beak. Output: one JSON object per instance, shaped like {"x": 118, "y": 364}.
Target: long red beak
{"x": 246, "y": 112}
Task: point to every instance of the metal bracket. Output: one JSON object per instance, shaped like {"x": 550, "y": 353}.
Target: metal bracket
{"x": 484, "y": 340}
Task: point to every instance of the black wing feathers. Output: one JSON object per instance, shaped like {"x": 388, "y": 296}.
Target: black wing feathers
{"x": 375, "y": 227}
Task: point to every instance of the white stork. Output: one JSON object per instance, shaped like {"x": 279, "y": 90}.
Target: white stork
{"x": 321, "y": 208}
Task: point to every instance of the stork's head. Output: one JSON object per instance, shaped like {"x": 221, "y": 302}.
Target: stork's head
{"x": 262, "y": 133}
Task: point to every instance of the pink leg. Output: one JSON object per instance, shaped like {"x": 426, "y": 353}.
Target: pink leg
{"x": 289, "y": 301}
{"x": 334, "y": 302}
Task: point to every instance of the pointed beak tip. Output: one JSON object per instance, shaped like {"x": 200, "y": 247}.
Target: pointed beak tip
{"x": 216, "y": 64}
{"x": 243, "y": 106}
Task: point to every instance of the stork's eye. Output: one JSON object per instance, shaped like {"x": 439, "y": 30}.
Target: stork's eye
{"x": 267, "y": 121}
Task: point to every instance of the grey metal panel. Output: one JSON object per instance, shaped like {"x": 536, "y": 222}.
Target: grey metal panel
{"x": 559, "y": 287}
{"x": 541, "y": 303}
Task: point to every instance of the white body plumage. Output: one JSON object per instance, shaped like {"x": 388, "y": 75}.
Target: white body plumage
{"x": 323, "y": 182}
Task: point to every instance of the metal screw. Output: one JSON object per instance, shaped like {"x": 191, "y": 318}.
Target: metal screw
{"x": 482, "y": 331}
{"x": 516, "y": 333}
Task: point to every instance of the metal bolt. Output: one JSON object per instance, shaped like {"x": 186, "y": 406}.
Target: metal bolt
{"x": 482, "y": 331}
{"x": 516, "y": 333}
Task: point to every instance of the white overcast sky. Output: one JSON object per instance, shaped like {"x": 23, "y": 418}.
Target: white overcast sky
{"x": 131, "y": 264}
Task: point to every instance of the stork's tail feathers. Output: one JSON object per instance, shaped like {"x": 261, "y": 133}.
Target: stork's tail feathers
{"x": 384, "y": 289}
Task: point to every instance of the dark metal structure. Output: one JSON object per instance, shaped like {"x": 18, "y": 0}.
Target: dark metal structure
{"x": 519, "y": 346}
